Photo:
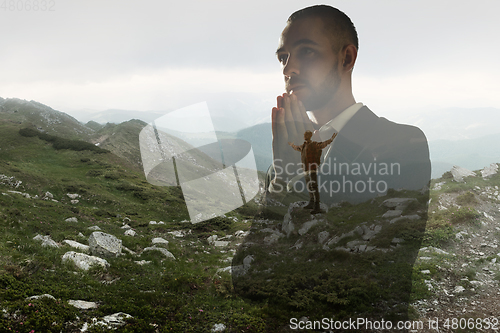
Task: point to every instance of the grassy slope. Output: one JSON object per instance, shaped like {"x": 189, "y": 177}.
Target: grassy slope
{"x": 169, "y": 293}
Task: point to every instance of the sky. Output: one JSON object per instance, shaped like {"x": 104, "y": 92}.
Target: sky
{"x": 148, "y": 55}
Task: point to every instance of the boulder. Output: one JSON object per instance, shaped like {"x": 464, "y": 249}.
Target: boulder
{"x": 104, "y": 245}
{"x": 167, "y": 253}
{"x": 40, "y": 296}
{"x": 84, "y": 261}
{"x": 46, "y": 241}
{"x": 130, "y": 232}
{"x": 76, "y": 245}
{"x": 459, "y": 173}
{"x": 489, "y": 171}
{"x": 159, "y": 241}
{"x": 83, "y": 305}
{"x": 71, "y": 219}
{"x": 73, "y": 195}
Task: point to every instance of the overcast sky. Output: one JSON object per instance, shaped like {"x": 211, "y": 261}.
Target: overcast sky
{"x": 161, "y": 55}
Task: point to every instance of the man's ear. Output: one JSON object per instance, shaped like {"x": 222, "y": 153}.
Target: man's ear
{"x": 349, "y": 54}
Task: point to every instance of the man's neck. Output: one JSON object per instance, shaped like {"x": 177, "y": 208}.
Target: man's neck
{"x": 330, "y": 111}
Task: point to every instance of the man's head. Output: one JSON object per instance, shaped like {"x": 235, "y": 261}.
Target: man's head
{"x": 317, "y": 50}
{"x": 308, "y": 135}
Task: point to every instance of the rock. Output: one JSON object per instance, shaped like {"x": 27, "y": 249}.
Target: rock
{"x": 323, "y": 236}
{"x": 83, "y": 305}
{"x": 370, "y": 232}
{"x": 489, "y": 171}
{"x": 458, "y": 289}
{"x": 241, "y": 233}
{"x": 128, "y": 250}
{"x": 159, "y": 241}
{"x": 71, "y": 219}
{"x": 130, "y": 232}
{"x": 306, "y": 226}
{"x": 221, "y": 243}
{"x": 459, "y": 173}
{"x": 48, "y": 196}
{"x": 73, "y": 196}
{"x": 126, "y": 219}
{"x": 298, "y": 244}
{"x": 46, "y": 241}
{"x": 218, "y": 328}
{"x": 392, "y": 213}
{"x": 142, "y": 262}
{"x": 438, "y": 186}
{"x": 397, "y": 240}
{"x": 84, "y": 261}
{"x": 94, "y": 228}
{"x": 288, "y": 226}
{"x": 125, "y": 226}
{"x": 426, "y": 271}
{"x": 152, "y": 222}
{"x": 167, "y": 253}
{"x": 211, "y": 239}
{"x": 459, "y": 236}
{"x": 405, "y": 217}
{"x": 76, "y": 245}
{"x": 433, "y": 249}
{"x": 104, "y": 245}
{"x": 177, "y": 233}
{"x": 74, "y": 202}
{"x": 397, "y": 202}
{"x": 116, "y": 319}
{"x": 40, "y": 296}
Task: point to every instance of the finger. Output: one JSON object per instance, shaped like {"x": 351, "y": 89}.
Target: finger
{"x": 279, "y": 101}
{"x": 289, "y": 119}
{"x": 297, "y": 115}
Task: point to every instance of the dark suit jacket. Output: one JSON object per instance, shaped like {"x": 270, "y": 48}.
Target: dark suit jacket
{"x": 371, "y": 155}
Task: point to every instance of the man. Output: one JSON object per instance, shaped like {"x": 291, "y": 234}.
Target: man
{"x": 311, "y": 159}
{"x": 357, "y": 259}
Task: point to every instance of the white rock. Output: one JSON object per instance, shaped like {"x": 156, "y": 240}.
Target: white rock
{"x": 392, "y": 213}
{"x": 77, "y": 245}
{"x": 221, "y": 243}
{"x": 104, "y": 245}
{"x": 159, "y": 241}
{"x": 459, "y": 173}
{"x": 71, "y": 219}
{"x": 395, "y": 202}
{"x": 48, "y": 196}
{"x": 211, "y": 239}
{"x": 94, "y": 228}
{"x": 489, "y": 171}
{"x": 125, "y": 226}
{"x": 143, "y": 262}
{"x": 241, "y": 233}
{"x": 46, "y": 241}
{"x": 74, "y": 202}
{"x": 83, "y": 305}
{"x": 425, "y": 271}
{"x": 177, "y": 233}
{"x": 84, "y": 261}
{"x": 73, "y": 196}
{"x": 306, "y": 226}
{"x": 130, "y": 232}
{"x": 40, "y": 296}
{"x": 218, "y": 328}
{"x": 167, "y": 253}
{"x": 323, "y": 236}
{"x": 152, "y": 222}
{"x": 458, "y": 289}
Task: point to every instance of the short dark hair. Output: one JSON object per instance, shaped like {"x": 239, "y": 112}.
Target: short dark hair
{"x": 337, "y": 22}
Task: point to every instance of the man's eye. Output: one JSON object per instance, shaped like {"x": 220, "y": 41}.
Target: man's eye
{"x": 282, "y": 58}
{"x": 307, "y": 51}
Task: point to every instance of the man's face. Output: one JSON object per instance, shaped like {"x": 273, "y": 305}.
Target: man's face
{"x": 310, "y": 66}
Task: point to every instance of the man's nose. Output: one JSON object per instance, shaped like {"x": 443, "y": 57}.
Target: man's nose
{"x": 291, "y": 67}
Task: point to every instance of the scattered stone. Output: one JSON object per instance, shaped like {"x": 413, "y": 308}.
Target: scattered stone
{"x": 438, "y": 186}
{"x": 83, "y": 305}
{"x": 218, "y": 328}
{"x": 323, "y": 236}
{"x": 211, "y": 239}
{"x": 159, "y": 241}
{"x": 71, "y": 219}
{"x": 104, "y": 245}
{"x": 48, "y": 196}
{"x": 392, "y": 213}
{"x": 94, "y": 228}
{"x": 425, "y": 271}
{"x": 458, "y": 289}
{"x": 73, "y": 196}
{"x": 152, "y": 222}
{"x": 178, "y": 233}
{"x": 241, "y": 233}
{"x": 128, "y": 250}
{"x": 167, "y": 253}
{"x": 397, "y": 202}
{"x": 40, "y": 296}
{"x": 126, "y": 219}
{"x": 288, "y": 226}
{"x": 76, "y": 245}
{"x": 459, "y": 173}
{"x": 74, "y": 202}
{"x": 397, "y": 240}
{"x": 46, "y": 241}
{"x": 84, "y": 261}
{"x": 130, "y": 232}
{"x": 306, "y": 226}
{"x": 489, "y": 171}
{"x": 143, "y": 262}
{"x": 433, "y": 249}
{"x": 125, "y": 226}
{"x": 370, "y": 232}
